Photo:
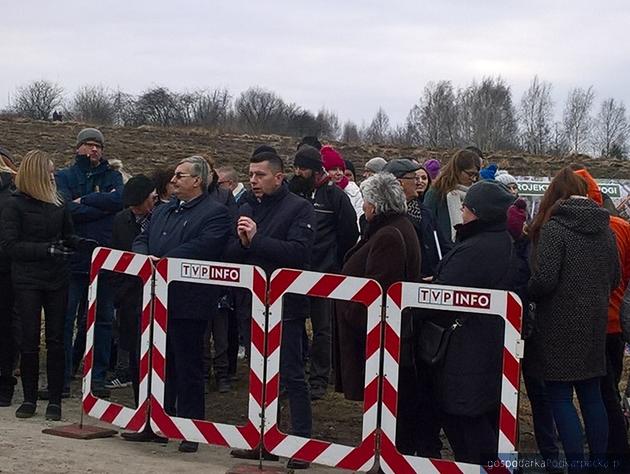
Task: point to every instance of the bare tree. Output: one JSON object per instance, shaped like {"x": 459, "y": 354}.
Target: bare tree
{"x": 328, "y": 124}
{"x": 93, "y": 104}
{"x": 433, "y": 120}
{"x": 38, "y": 99}
{"x": 350, "y": 133}
{"x": 158, "y": 106}
{"x": 610, "y": 134}
{"x": 378, "y": 130}
{"x": 402, "y": 135}
{"x": 212, "y": 107}
{"x": 487, "y": 116}
{"x": 124, "y": 105}
{"x": 577, "y": 118}
{"x": 259, "y": 109}
{"x": 536, "y": 117}
{"x": 558, "y": 144}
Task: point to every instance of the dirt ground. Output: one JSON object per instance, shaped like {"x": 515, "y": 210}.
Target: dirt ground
{"x": 144, "y": 148}
{"x": 23, "y": 447}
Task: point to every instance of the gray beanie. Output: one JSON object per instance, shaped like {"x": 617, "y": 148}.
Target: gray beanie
{"x": 376, "y": 164}
{"x": 489, "y": 201}
{"x": 90, "y": 134}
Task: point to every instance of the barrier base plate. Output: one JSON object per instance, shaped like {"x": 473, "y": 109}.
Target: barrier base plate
{"x": 254, "y": 469}
{"x": 77, "y": 431}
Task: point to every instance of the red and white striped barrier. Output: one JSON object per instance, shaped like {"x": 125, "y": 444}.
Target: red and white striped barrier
{"x": 447, "y": 298}
{"x": 220, "y": 274}
{"x": 360, "y": 290}
{"x": 129, "y": 264}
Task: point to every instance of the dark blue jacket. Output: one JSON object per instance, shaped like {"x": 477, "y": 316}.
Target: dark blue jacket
{"x": 284, "y": 238}
{"x": 100, "y": 190}
{"x": 197, "y": 229}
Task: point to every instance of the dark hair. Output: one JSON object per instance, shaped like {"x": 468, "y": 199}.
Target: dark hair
{"x": 264, "y": 149}
{"x": 476, "y": 150}
{"x": 311, "y": 141}
{"x": 274, "y": 160}
{"x": 161, "y": 177}
{"x": 564, "y": 185}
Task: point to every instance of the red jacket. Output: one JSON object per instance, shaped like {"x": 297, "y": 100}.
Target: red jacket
{"x": 621, "y": 229}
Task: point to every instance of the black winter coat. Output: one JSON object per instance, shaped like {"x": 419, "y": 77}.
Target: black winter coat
{"x": 126, "y": 287}
{"x": 469, "y": 380}
{"x": 28, "y": 229}
{"x": 336, "y": 229}
{"x": 199, "y": 230}
{"x": 575, "y": 269}
{"x": 284, "y": 238}
{"x": 6, "y": 185}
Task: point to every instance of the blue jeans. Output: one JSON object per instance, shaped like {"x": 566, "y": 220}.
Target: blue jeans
{"x": 568, "y": 424}
{"x": 102, "y": 328}
{"x": 293, "y": 379}
{"x": 542, "y": 418}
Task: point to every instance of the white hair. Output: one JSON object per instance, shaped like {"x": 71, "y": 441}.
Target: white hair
{"x": 384, "y": 191}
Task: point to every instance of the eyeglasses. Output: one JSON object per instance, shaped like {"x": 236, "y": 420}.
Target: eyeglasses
{"x": 472, "y": 174}
{"x": 179, "y": 175}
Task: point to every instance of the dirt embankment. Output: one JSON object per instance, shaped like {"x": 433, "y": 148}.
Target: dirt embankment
{"x": 143, "y": 148}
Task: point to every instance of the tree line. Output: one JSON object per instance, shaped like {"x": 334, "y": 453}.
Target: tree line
{"x": 483, "y": 114}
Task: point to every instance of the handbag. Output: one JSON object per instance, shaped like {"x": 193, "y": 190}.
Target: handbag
{"x": 433, "y": 341}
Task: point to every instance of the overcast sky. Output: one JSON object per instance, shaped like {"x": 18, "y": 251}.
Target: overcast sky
{"x": 349, "y": 56}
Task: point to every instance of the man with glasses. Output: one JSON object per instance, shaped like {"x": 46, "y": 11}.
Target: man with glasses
{"x": 93, "y": 193}
{"x": 192, "y": 226}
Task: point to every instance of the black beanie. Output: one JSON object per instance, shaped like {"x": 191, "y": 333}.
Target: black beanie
{"x": 136, "y": 190}
{"x": 310, "y": 140}
{"x": 350, "y": 166}
{"x": 489, "y": 201}
{"x": 309, "y": 158}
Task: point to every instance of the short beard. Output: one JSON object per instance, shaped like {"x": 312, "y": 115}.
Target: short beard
{"x": 302, "y": 185}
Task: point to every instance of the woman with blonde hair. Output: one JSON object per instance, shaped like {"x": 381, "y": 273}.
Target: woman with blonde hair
{"x": 446, "y": 195}
{"x": 36, "y": 229}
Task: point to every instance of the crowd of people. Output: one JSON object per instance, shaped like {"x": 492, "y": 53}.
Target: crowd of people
{"x": 459, "y": 224}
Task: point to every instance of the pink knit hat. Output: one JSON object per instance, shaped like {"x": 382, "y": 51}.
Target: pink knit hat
{"x": 332, "y": 158}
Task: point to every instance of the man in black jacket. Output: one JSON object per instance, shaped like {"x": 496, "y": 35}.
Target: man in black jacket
{"x": 139, "y": 198}
{"x": 336, "y": 232}
{"x": 275, "y": 230}
{"x": 191, "y": 226}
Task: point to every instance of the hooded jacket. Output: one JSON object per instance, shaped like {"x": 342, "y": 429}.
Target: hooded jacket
{"x": 100, "y": 189}
{"x": 576, "y": 267}
{"x": 621, "y": 230}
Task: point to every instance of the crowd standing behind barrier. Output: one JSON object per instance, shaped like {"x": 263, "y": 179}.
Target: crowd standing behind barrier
{"x": 416, "y": 225}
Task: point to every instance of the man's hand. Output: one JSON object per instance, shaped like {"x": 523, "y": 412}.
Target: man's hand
{"x": 246, "y": 229}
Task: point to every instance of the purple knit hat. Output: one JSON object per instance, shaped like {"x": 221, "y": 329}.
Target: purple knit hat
{"x": 433, "y": 167}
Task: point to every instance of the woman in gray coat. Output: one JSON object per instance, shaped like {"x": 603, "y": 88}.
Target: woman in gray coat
{"x": 575, "y": 267}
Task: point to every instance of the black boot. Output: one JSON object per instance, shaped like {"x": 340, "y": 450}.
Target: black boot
{"x": 29, "y": 372}
{"x": 55, "y": 363}
{"x": 7, "y": 386}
